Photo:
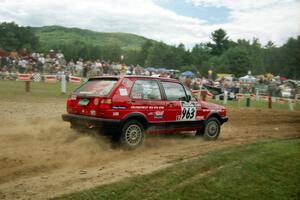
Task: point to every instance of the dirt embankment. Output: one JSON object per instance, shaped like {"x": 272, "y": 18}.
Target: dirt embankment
{"x": 42, "y": 157}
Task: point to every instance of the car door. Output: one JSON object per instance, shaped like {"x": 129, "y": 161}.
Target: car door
{"x": 180, "y": 109}
{"x": 174, "y": 94}
{"x": 194, "y": 101}
{"x": 146, "y": 98}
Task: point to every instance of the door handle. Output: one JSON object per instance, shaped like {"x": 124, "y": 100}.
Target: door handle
{"x": 170, "y": 104}
{"x": 131, "y": 101}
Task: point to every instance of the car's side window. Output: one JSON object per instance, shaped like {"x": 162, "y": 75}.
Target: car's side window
{"x": 174, "y": 91}
{"x": 145, "y": 89}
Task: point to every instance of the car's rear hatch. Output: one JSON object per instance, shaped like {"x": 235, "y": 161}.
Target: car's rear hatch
{"x": 92, "y": 97}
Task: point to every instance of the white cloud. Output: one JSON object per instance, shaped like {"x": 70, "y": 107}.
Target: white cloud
{"x": 238, "y": 5}
{"x": 268, "y": 19}
{"x": 141, "y": 17}
{"x": 275, "y": 20}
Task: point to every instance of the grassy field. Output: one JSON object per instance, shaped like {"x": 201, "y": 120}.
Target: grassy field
{"x": 264, "y": 170}
{"x": 258, "y": 104}
{"x": 39, "y": 92}
{"x": 43, "y": 92}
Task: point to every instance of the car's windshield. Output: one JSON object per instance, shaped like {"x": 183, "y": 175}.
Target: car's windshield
{"x": 96, "y": 87}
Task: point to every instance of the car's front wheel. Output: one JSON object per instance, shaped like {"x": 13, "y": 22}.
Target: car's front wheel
{"x": 132, "y": 134}
{"x": 212, "y": 129}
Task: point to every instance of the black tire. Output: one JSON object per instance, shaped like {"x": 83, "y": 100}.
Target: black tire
{"x": 200, "y": 131}
{"x": 132, "y": 135}
{"x": 212, "y": 129}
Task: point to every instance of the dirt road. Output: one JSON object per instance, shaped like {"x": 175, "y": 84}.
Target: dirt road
{"x": 41, "y": 157}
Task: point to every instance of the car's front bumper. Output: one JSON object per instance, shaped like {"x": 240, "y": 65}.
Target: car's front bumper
{"x": 88, "y": 121}
{"x": 223, "y": 120}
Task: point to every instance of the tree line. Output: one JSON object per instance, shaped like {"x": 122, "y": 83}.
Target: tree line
{"x": 221, "y": 54}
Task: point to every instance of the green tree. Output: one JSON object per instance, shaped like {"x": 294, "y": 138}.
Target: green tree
{"x": 132, "y": 57}
{"x": 255, "y": 54}
{"x": 291, "y": 58}
{"x": 112, "y": 52}
{"x": 237, "y": 61}
{"x": 200, "y": 54}
{"x": 157, "y": 54}
{"x": 216, "y": 63}
{"x": 17, "y": 37}
{"x": 144, "y": 52}
{"x": 272, "y": 58}
{"x": 220, "y": 42}
{"x": 270, "y": 45}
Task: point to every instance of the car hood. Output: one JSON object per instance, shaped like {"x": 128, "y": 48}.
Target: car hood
{"x": 208, "y": 105}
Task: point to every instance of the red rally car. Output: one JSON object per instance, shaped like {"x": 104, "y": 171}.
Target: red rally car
{"x": 129, "y": 106}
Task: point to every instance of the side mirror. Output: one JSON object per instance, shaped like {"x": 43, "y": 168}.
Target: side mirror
{"x": 188, "y": 98}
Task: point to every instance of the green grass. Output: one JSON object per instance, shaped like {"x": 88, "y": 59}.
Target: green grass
{"x": 264, "y": 170}
{"x": 258, "y": 104}
{"x": 39, "y": 92}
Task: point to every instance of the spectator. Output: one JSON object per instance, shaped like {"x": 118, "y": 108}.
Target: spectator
{"x": 22, "y": 65}
{"x": 122, "y": 69}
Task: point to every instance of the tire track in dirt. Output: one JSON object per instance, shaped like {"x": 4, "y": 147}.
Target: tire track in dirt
{"x": 42, "y": 157}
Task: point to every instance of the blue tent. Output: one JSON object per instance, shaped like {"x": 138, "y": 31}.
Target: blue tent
{"x": 187, "y": 74}
{"x": 162, "y": 70}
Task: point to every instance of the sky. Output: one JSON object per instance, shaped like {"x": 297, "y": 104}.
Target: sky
{"x": 171, "y": 21}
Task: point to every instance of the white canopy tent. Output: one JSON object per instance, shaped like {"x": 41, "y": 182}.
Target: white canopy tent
{"x": 248, "y": 79}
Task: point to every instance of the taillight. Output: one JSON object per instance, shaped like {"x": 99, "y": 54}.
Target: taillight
{"x": 70, "y": 105}
{"x": 69, "y": 102}
{"x": 105, "y": 103}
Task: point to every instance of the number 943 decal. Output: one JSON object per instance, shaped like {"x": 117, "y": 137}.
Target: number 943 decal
{"x": 188, "y": 111}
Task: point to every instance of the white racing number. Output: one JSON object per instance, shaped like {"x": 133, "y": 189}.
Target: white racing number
{"x": 188, "y": 110}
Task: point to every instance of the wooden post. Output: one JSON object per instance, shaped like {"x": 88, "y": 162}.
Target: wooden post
{"x": 63, "y": 84}
{"x": 27, "y": 86}
{"x": 248, "y": 101}
{"x": 291, "y": 104}
{"x": 225, "y": 97}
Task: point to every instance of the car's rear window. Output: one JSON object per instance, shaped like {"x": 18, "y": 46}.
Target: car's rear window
{"x": 98, "y": 87}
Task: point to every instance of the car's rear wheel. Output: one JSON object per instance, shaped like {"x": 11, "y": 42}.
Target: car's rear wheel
{"x": 212, "y": 129}
{"x": 132, "y": 134}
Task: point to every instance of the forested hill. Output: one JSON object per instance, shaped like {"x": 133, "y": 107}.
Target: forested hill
{"x": 221, "y": 54}
{"x": 55, "y": 36}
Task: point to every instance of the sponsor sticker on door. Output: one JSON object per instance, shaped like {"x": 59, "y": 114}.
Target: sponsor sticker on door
{"x": 188, "y": 111}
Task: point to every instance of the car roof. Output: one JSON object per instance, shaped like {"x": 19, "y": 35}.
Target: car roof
{"x": 134, "y": 76}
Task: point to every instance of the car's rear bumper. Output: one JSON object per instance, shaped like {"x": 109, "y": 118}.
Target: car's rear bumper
{"x": 88, "y": 121}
